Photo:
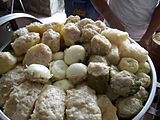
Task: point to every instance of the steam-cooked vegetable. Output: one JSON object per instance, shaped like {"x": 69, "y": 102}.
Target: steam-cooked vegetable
{"x": 58, "y": 69}
{"x": 144, "y": 79}
{"x": 74, "y": 54}
{"x": 128, "y": 106}
{"x": 76, "y": 72}
{"x": 124, "y": 83}
{"x": 142, "y": 94}
{"x": 98, "y": 76}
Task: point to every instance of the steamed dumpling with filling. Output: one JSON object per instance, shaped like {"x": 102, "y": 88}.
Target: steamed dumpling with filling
{"x": 52, "y": 39}
{"x": 38, "y": 54}
{"x": 71, "y": 34}
{"x": 23, "y": 43}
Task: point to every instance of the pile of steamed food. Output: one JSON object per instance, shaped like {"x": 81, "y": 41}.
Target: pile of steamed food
{"x": 78, "y": 70}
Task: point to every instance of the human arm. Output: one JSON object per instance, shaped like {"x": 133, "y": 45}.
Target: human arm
{"x": 154, "y": 25}
{"x": 104, "y": 9}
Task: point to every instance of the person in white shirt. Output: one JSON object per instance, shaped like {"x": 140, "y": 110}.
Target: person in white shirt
{"x": 140, "y": 18}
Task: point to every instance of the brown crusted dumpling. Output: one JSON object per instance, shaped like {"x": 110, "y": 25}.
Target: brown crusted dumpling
{"x": 38, "y": 54}
{"x": 84, "y": 22}
{"x": 55, "y": 26}
{"x": 7, "y": 62}
{"x": 35, "y": 27}
{"x": 100, "y": 45}
{"x": 115, "y": 36}
{"x": 113, "y": 56}
{"x": 101, "y": 25}
{"x": 71, "y": 34}
{"x": 72, "y": 19}
{"x": 50, "y": 105}
{"x": 128, "y": 64}
{"x": 128, "y": 106}
{"x": 133, "y": 51}
{"x": 10, "y": 79}
{"x": 88, "y": 31}
{"x": 23, "y": 43}
{"x": 81, "y": 104}
{"x": 19, "y": 32}
{"x": 124, "y": 83}
{"x": 52, "y": 39}
{"x": 107, "y": 108}
{"x": 21, "y": 100}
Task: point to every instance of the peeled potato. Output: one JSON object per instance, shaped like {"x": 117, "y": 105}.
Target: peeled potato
{"x": 58, "y": 69}
{"x": 58, "y": 56}
{"x": 38, "y": 73}
{"x": 76, "y": 72}
{"x": 7, "y": 62}
{"x": 63, "y": 84}
{"x": 74, "y": 54}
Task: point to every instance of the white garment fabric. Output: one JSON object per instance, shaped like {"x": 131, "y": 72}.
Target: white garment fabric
{"x": 135, "y": 15}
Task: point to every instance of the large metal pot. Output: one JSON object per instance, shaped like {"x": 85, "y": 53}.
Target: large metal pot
{"x": 5, "y": 32}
